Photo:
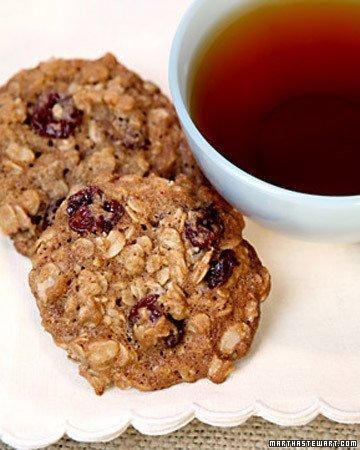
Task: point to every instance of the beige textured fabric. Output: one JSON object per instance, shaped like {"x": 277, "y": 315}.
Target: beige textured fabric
{"x": 253, "y": 435}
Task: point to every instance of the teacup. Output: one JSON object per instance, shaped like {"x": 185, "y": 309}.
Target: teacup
{"x": 312, "y": 217}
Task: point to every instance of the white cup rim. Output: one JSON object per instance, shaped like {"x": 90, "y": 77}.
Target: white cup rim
{"x": 210, "y": 151}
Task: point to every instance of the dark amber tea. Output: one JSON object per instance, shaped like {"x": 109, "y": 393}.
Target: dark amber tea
{"x": 276, "y": 90}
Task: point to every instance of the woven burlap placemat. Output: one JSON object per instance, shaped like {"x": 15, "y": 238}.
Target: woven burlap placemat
{"x": 254, "y": 434}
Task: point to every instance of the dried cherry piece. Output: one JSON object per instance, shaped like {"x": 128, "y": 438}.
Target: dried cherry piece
{"x": 106, "y": 224}
{"x": 150, "y": 303}
{"x": 176, "y": 337}
{"x": 50, "y": 212}
{"x": 221, "y": 269}
{"x": 84, "y": 197}
{"x": 45, "y": 123}
{"x": 83, "y": 220}
{"x": 205, "y": 227}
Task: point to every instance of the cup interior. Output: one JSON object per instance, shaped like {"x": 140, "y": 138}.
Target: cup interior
{"x": 197, "y": 25}
{"x": 200, "y": 20}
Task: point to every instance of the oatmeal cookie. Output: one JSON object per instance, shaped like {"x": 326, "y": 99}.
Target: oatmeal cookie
{"x": 67, "y": 121}
{"x": 147, "y": 282}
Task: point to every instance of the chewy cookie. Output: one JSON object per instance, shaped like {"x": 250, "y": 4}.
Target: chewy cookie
{"x": 65, "y": 122}
{"x": 147, "y": 283}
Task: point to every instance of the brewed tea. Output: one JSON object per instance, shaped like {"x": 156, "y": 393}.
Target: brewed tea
{"x": 276, "y": 90}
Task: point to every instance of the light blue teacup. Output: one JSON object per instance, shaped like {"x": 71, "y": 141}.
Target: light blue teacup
{"x": 312, "y": 217}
